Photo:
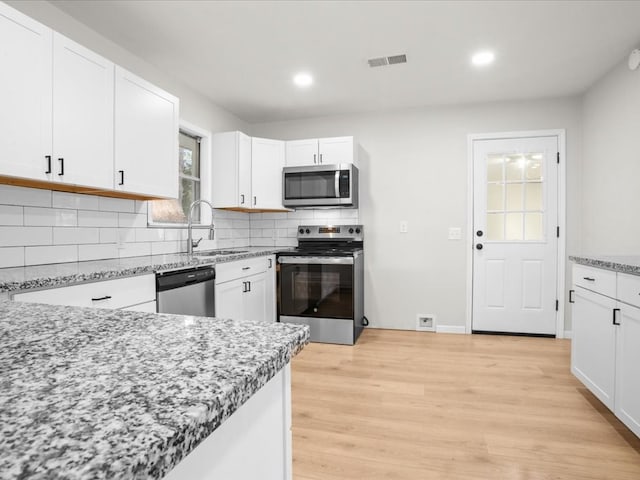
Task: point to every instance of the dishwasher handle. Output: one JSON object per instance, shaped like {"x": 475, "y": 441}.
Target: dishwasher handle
{"x": 181, "y": 278}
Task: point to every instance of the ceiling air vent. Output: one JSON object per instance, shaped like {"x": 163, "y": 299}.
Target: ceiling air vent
{"x": 392, "y": 60}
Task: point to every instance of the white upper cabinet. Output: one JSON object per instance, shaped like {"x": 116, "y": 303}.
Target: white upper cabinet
{"x": 267, "y": 161}
{"x": 231, "y": 159}
{"x": 247, "y": 172}
{"x": 146, "y": 137}
{"x": 82, "y": 115}
{"x": 319, "y": 151}
{"x": 25, "y": 95}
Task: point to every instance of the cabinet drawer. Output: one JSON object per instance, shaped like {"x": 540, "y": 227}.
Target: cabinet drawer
{"x": 117, "y": 293}
{"x": 629, "y": 289}
{"x": 240, "y": 268}
{"x": 596, "y": 279}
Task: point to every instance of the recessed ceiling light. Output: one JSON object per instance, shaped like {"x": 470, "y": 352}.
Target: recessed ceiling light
{"x": 303, "y": 80}
{"x": 481, "y": 59}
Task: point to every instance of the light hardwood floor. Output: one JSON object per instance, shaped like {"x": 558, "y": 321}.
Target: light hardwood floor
{"x": 409, "y": 405}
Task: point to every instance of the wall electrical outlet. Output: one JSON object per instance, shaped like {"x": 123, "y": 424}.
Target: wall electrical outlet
{"x": 404, "y": 226}
{"x": 426, "y": 322}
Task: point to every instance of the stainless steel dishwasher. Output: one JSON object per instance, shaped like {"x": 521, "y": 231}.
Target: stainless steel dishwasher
{"x": 187, "y": 291}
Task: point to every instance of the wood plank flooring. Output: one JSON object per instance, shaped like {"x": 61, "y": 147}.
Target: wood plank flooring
{"x": 412, "y": 405}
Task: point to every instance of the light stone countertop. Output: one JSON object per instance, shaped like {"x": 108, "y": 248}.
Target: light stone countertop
{"x": 88, "y": 393}
{"x": 624, "y": 263}
{"x": 63, "y": 274}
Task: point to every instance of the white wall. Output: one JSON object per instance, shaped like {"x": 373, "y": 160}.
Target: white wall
{"x": 414, "y": 168}
{"x": 611, "y": 164}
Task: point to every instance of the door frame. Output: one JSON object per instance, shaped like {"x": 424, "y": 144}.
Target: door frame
{"x": 562, "y": 191}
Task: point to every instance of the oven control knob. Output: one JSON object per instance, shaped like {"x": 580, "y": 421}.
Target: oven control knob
{"x": 351, "y": 230}
{"x": 357, "y": 230}
{"x": 301, "y": 230}
{"x": 308, "y": 231}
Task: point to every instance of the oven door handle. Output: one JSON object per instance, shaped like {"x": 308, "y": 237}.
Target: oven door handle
{"x": 316, "y": 260}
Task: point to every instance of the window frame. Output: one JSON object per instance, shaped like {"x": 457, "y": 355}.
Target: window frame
{"x": 205, "y": 176}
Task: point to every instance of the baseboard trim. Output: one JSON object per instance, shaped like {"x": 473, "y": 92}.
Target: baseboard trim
{"x": 450, "y": 329}
{"x": 568, "y": 334}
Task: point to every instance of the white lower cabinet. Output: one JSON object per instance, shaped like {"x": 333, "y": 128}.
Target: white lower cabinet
{"x": 253, "y": 443}
{"x": 130, "y": 293}
{"x": 243, "y": 291}
{"x": 605, "y": 354}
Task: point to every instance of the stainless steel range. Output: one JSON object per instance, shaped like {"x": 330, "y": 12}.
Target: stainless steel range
{"x": 321, "y": 283}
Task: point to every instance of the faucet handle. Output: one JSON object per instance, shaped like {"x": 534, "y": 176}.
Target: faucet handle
{"x": 195, "y": 243}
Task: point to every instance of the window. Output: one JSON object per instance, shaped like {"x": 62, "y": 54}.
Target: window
{"x": 189, "y": 176}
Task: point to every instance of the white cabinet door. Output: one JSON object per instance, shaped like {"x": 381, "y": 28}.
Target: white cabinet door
{"x": 627, "y": 401}
{"x": 255, "y": 307}
{"x": 82, "y": 115}
{"x": 146, "y": 137}
{"x": 230, "y": 299}
{"x": 336, "y": 150}
{"x": 231, "y": 177}
{"x": 593, "y": 349}
{"x": 301, "y": 152}
{"x": 25, "y": 95}
{"x": 267, "y": 161}
{"x": 270, "y": 290}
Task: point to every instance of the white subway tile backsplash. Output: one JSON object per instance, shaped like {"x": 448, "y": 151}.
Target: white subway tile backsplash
{"x": 272, "y": 215}
{"x": 108, "y": 235}
{"x": 268, "y": 233}
{"x": 241, "y": 233}
{"x": 149, "y": 234}
{"x": 50, "y": 254}
{"x": 75, "y": 235}
{"x": 263, "y": 242}
{"x": 132, "y": 220}
{"x": 32, "y": 197}
{"x": 11, "y": 215}
{"x": 141, "y": 207}
{"x": 45, "y": 217}
{"x": 76, "y": 201}
{"x": 134, "y": 249}
{"x": 162, "y": 248}
{"x": 241, "y": 224}
{"x": 108, "y": 204}
{"x": 126, "y": 235}
{"x": 21, "y": 236}
{"x": 262, "y": 223}
{"x": 97, "y": 252}
{"x": 300, "y": 214}
{"x": 180, "y": 234}
{"x": 88, "y": 218}
{"x": 11, "y": 257}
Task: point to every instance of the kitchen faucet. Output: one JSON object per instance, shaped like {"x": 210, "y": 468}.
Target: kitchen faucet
{"x": 190, "y": 243}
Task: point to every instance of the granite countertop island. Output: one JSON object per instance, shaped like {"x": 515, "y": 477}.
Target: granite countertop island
{"x": 94, "y": 393}
{"x": 618, "y": 263}
{"x": 62, "y": 274}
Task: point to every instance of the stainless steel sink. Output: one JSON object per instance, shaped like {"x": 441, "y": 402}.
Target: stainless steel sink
{"x": 213, "y": 253}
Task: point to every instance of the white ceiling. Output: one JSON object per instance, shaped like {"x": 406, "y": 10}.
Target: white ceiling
{"x": 243, "y": 54}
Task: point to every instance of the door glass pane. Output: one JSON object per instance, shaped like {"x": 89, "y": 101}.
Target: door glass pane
{"x": 513, "y": 226}
{"x": 495, "y": 226}
{"x": 494, "y": 168}
{"x": 533, "y": 228}
{"x": 533, "y": 196}
{"x": 495, "y": 196}
{"x": 515, "y": 167}
{"x": 534, "y": 166}
{"x": 514, "y": 196}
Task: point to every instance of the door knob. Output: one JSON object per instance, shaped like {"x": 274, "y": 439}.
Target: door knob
{"x": 479, "y": 233}
{"x": 479, "y": 246}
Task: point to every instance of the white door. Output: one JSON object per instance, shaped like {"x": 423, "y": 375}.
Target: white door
{"x": 515, "y": 241}
{"x": 82, "y": 115}
{"x": 267, "y": 161}
{"x": 627, "y": 398}
{"x": 255, "y": 305}
{"x": 229, "y": 299}
{"x": 25, "y": 96}
{"x": 146, "y": 137}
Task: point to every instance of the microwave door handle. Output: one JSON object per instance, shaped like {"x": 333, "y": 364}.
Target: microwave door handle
{"x": 337, "y": 183}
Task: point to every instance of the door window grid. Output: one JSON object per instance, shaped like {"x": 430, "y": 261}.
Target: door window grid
{"x": 515, "y": 197}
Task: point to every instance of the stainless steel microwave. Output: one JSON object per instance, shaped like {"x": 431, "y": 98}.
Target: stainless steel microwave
{"x": 320, "y": 186}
